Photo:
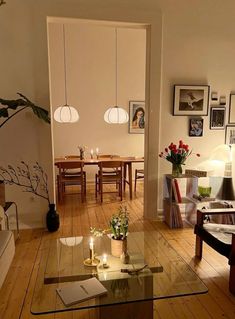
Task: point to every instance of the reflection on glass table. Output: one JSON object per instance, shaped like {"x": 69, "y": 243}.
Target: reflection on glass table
{"x": 165, "y": 276}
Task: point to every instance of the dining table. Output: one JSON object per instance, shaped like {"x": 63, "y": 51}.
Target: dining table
{"x": 128, "y": 161}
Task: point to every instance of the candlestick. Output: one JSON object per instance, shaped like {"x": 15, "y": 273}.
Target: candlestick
{"x": 97, "y": 152}
{"x": 91, "y": 246}
{"x": 92, "y": 153}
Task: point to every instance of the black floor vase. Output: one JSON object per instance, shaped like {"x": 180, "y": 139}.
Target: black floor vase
{"x": 53, "y": 219}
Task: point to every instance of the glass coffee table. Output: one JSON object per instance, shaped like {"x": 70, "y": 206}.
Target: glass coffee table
{"x": 165, "y": 276}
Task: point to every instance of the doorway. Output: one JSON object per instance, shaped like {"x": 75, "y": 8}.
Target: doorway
{"x": 90, "y": 84}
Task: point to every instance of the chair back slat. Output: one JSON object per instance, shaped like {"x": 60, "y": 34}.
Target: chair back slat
{"x": 110, "y": 164}
{"x": 70, "y": 164}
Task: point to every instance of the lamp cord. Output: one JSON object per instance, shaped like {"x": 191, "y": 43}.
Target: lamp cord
{"x": 116, "y": 61}
{"x": 65, "y": 72}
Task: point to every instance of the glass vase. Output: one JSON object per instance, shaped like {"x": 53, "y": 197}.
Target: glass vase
{"x": 176, "y": 170}
{"x": 81, "y": 155}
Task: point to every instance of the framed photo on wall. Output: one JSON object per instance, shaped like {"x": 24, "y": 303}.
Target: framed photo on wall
{"x": 136, "y": 117}
{"x": 196, "y": 127}
{"x": 231, "y": 117}
{"x": 191, "y": 100}
{"x": 230, "y": 134}
{"x": 217, "y": 118}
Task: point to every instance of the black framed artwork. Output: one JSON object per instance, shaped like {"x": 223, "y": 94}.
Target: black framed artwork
{"x": 230, "y": 135}
{"x": 195, "y": 127}
{"x": 217, "y": 118}
{"x": 231, "y": 117}
{"x": 191, "y": 100}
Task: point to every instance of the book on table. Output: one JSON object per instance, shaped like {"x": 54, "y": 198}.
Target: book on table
{"x": 80, "y": 291}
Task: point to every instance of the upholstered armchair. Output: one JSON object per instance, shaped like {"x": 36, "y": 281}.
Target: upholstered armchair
{"x": 220, "y": 237}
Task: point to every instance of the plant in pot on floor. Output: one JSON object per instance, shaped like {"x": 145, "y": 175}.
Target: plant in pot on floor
{"x": 118, "y": 226}
{"x": 33, "y": 180}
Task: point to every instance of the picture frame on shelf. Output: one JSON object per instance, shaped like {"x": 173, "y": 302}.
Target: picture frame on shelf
{"x": 191, "y": 100}
{"x": 196, "y": 127}
{"x": 230, "y": 135}
{"x": 217, "y": 118}
{"x": 231, "y": 116}
{"x": 136, "y": 117}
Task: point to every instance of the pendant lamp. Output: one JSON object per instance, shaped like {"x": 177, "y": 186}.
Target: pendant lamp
{"x": 116, "y": 114}
{"x": 66, "y": 113}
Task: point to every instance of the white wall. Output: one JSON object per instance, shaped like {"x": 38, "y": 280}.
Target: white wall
{"x": 198, "y": 48}
{"x": 91, "y": 86}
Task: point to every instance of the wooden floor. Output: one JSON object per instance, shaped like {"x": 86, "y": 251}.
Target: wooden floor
{"x": 76, "y": 218}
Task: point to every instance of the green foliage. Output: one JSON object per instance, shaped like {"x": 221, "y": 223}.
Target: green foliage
{"x": 118, "y": 225}
{"x": 18, "y": 105}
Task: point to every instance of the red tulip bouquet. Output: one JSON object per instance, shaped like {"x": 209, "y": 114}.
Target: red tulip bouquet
{"x": 177, "y": 156}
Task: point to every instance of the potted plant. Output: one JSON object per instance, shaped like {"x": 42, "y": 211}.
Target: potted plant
{"x": 118, "y": 226}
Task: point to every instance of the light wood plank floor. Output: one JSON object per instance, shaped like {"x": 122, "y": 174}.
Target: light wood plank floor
{"x": 76, "y": 218}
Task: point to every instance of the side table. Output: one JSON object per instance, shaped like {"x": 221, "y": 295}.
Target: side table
{"x": 6, "y": 207}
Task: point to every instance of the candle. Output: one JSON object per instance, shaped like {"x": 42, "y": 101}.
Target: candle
{"x": 91, "y": 246}
{"x": 92, "y": 153}
{"x": 97, "y": 151}
{"x": 104, "y": 260}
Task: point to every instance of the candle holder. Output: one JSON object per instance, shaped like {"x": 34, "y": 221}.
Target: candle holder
{"x": 91, "y": 262}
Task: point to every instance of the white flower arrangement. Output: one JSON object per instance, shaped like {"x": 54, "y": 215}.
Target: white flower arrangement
{"x": 118, "y": 225}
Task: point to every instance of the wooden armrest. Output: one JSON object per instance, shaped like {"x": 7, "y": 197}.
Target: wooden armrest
{"x": 216, "y": 211}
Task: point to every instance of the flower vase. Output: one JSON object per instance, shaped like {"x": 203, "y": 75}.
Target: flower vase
{"x": 176, "y": 170}
{"x": 52, "y": 219}
{"x": 118, "y": 247}
{"x": 81, "y": 155}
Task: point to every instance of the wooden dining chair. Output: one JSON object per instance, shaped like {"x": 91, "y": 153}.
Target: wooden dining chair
{"x": 139, "y": 174}
{"x": 64, "y": 178}
{"x": 72, "y": 172}
{"x": 112, "y": 177}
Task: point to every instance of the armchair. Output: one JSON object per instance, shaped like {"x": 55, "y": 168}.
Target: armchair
{"x": 220, "y": 237}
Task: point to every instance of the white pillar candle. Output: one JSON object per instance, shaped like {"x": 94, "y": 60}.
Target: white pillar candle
{"x": 104, "y": 260}
{"x": 92, "y": 153}
{"x": 91, "y": 246}
{"x": 97, "y": 151}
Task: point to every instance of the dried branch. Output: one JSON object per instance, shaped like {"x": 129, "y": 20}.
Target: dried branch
{"x": 33, "y": 180}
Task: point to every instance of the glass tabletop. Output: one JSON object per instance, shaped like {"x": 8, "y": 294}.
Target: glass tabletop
{"x": 62, "y": 262}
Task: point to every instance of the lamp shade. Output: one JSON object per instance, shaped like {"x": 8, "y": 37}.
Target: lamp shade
{"x": 221, "y": 153}
{"x": 66, "y": 114}
{"x": 116, "y": 115}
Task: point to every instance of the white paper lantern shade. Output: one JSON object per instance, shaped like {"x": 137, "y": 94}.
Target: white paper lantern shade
{"x": 116, "y": 115}
{"x": 66, "y": 114}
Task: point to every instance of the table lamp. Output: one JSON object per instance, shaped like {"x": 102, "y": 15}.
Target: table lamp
{"x": 223, "y": 153}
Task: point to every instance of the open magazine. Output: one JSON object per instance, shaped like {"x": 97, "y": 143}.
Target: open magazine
{"x": 80, "y": 291}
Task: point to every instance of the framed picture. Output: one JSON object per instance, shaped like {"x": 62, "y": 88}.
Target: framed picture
{"x": 217, "y": 118}
{"x": 231, "y": 117}
{"x": 230, "y": 134}
{"x": 195, "y": 127}
{"x": 136, "y": 117}
{"x": 191, "y": 99}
